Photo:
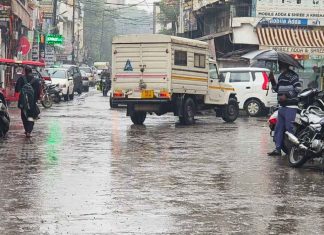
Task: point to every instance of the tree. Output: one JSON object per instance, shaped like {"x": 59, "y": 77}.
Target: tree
{"x": 169, "y": 13}
{"x": 102, "y": 23}
{"x": 99, "y": 28}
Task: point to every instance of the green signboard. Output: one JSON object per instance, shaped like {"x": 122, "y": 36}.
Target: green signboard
{"x": 54, "y": 39}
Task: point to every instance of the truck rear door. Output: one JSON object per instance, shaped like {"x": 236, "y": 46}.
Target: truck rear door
{"x": 140, "y": 69}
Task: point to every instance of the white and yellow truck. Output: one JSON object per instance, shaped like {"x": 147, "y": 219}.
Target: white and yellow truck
{"x": 162, "y": 73}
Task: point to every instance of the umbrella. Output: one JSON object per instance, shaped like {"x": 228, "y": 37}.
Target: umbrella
{"x": 272, "y": 55}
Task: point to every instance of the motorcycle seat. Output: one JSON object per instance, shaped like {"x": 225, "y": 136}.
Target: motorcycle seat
{"x": 317, "y": 112}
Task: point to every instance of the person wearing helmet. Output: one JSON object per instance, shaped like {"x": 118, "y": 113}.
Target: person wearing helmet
{"x": 28, "y": 88}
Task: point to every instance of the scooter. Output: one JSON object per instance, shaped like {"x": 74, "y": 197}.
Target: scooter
{"x": 4, "y": 116}
{"x": 51, "y": 93}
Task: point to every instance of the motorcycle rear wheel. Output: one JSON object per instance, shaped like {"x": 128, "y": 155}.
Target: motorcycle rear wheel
{"x": 4, "y": 125}
{"x": 47, "y": 101}
{"x": 297, "y": 157}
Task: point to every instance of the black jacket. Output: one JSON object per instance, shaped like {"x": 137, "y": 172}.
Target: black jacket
{"x": 288, "y": 78}
{"x": 35, "y": 83}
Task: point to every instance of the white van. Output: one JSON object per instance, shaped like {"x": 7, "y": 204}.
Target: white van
{"x": 252, "y": 88}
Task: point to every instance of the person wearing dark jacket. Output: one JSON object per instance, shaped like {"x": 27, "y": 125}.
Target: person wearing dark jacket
{"x": 28, "y": 117}
{"x": 287, "y": 88}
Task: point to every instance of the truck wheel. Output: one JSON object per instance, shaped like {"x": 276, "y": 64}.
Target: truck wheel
{"x": 253, "y": 108}
{"x": 112, "y": 105}
{"x": 189, "y": 111}
{"x": 138, "y": 118}
{"x": 230, "y": 111}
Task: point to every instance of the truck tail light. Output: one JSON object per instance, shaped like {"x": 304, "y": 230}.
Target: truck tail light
{"x": 265, "y": 85}
{"x": 164, "y": 94}
{"x": 118, "y": 94}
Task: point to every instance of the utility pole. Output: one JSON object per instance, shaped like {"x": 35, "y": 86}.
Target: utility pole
{"x": 78, "y": 47}
{"x": 102, "y": 28}
{"x": 54, "y": 16}
{"x": 73, "y": 36}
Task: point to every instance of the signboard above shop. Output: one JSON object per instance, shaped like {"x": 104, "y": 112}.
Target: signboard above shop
{"x": 54, "y": 39}
{"x": 4, "y": 10}
{"x": 46, "y": 9}
{"x": 309, "y": 12}
{"x": 288, "y": 21}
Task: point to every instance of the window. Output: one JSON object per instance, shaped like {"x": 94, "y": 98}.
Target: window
{"x": 180, "y": 58}
{"x": 298, "y": 1}
{"x": 213, "y": 73}
{"x": 200, "y": 61}
{"x": 240, "y": 77}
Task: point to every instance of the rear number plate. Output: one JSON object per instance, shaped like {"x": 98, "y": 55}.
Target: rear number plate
{"x": 147, "y": 94}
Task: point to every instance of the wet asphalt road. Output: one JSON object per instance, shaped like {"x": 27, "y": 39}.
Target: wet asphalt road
{"x": 88, "y": 170}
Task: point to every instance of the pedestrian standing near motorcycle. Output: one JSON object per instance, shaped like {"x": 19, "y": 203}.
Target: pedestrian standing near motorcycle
{"x": 287, "y": 87}
{"x": 29, "y": 89}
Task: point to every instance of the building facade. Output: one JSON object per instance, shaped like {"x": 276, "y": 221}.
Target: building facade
{"x": 239, "y": 26}
{"x": 72, "y": 30}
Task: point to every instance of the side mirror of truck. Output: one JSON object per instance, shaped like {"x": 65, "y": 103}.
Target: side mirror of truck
{"x": 221, "y": 77}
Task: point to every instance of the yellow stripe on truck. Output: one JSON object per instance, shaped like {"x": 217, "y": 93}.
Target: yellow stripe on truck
{"x": 221, "y": 88}
{"x": 187, "y": 78}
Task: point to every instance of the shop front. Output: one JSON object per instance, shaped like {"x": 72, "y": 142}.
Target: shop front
{"x": 305, "y": 45}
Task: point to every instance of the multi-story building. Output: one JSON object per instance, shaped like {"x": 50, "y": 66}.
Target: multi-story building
{"x": 72, "y": 30}
{"x": 16, "y": 36}
{"x": 16, "y": 23}
{"x": 239, "y": 26}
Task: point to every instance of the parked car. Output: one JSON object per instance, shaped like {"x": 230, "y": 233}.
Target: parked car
{"x": 252, "y": 88}
{"x": 46, "y": 77}
{"x": 89, "y": 74}
{"x": 62, "y": 77}
{"x": 74, "y": 72}
{"x": 41, "y": 75}
{"x": 85, "y": 81}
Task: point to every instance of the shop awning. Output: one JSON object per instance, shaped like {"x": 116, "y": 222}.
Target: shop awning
{"x": 11, "y": 62}
{"x": 280, "y": 37}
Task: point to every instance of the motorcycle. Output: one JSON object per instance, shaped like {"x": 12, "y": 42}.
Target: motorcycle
{"x": 309, "y": 143}
{"x": 51, "y": 93}
{"x": 4, "y": 116}
{"x": 106, "y": 84}
{"x": 306, "y": 98}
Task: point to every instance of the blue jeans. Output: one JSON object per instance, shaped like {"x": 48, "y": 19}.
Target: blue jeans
{"x": 284, "y": 123}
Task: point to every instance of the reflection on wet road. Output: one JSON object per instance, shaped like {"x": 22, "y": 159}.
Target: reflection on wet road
{"x": 88, "y": 170}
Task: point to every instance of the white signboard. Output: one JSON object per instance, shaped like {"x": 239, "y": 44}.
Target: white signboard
{"x": 297, "y": 50}
{"x": 307, "y": 10}
{"x": 50, "y": 56}
{"x": 35, "y": 51}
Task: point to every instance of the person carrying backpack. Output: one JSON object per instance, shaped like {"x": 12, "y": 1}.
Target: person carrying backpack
{"x": 29, "y": 92}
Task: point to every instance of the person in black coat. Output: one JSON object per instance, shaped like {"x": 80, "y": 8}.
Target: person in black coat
{"x": 28, "y": 118}
{"x": 287, "y": 87}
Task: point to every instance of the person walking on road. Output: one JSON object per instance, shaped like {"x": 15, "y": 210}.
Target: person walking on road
{"x": 288, "y": 87}
{"x": 28, "y": 88}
